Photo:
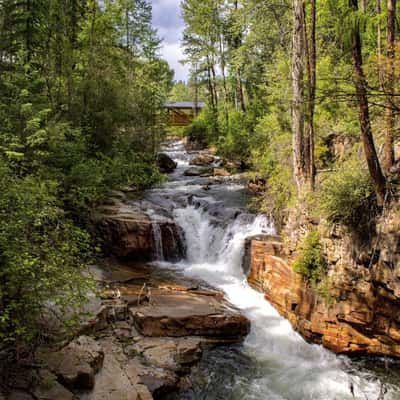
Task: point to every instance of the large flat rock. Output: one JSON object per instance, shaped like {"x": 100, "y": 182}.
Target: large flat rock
{"x": 185, "y": 314}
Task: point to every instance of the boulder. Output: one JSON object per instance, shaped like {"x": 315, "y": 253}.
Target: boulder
{"x": 77, "y": 363}
{"x": 203, "y": 172}
{"x": 175, "y": 354}
{"x": 158, "y": 381}
{"x": 50, "y": 389}
{"x": 221, "y": 172}
{"x": 178, "y": 314}
{"x": 203, "y": 160}
{"x": 129, "y": 232}
{"x": 166, "y": 163}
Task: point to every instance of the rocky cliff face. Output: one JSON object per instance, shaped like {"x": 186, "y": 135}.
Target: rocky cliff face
{"x": 130, "y": 233}
{"x": 359, "y": 309}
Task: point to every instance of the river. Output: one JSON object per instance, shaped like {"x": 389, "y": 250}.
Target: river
{"x": 274, "y": 362}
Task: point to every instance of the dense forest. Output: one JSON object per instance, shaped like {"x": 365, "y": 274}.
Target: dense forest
{"x": 286, "y": 80}
{"x": 81, "y": 87}
{"x": 82, "y": 84}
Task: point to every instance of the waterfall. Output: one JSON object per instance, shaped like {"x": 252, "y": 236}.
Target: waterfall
{"x": 157, "y": 238}
{"x": 294, "y": 369}
{"x": 283, "y": 366}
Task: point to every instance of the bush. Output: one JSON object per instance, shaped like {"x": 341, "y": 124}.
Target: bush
{"x": 41, "y": 256}
{"x": 347, "y": 195}
{"x": 204, "y": 129}
{"x": 311, "y": 263}
{"x": 234, "y": 140}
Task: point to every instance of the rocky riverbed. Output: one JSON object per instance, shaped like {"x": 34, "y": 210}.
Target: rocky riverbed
{"x": 146, "y": 329}
{"x": 174, "y": 316}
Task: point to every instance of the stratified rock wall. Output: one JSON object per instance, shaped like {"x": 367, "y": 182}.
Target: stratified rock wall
{"x": 129, "y": 233}
{"x": 360, "y": 309}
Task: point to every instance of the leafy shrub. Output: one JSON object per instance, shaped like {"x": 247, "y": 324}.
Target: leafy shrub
{"x": 235, "y": 139}
{"x": 311, "y": 263}
{"x": 347, "y": 195}
{"x": 197, "y": 132}
{"x": 41, "y": 256}
{"x": 272, "y": 159}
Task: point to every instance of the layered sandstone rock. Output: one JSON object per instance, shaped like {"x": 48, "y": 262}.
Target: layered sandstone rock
{"x": 129, "y": 232}
{"x": 203, "y": 160}
{"x": 359, "y": 309}
{"x": 179, "y": 314}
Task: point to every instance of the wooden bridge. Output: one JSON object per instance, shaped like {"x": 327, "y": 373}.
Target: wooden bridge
{"x": 182, "y": 113}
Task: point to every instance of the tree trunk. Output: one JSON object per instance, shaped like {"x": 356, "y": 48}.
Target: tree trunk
{"x": 310, "y": 48}
{"x": 366, "y": 131}
{"x": 364, "y": 4}
{"x": 389, "y": 87}
{"x": 210, "y": 87}
{"x": 239, "y": 84}
{"x": 298, "y": 95}
{"x": 214, "y": 85}
{"x": 379, "y": 43}
{"x": 222, "y": 58}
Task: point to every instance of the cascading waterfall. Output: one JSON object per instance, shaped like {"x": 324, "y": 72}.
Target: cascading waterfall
{"x": 294, "y": 369}
{"x": 158, "y": 246}
{"x": 284, "y": 366}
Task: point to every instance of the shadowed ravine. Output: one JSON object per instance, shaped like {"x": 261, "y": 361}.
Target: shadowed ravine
{"x": 274, "y": 362}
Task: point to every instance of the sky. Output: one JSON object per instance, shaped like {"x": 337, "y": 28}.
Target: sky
{"x": 167, "y": 19}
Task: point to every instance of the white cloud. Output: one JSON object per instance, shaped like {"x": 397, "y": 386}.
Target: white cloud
{"x": 173, "y": 54}
{"x": 168, "y": 21}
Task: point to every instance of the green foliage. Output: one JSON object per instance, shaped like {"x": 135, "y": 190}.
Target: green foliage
{"x": 41, "y": 253}
{"x": 202, "y": 130}
{"x": 347, "y": 196}
{"x": 81, "y": 89}
{"x": 311, "y": 263}
{"x": 234, "y": 141}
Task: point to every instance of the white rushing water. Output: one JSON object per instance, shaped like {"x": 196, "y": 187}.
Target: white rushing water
{"x": 291, "y": 368}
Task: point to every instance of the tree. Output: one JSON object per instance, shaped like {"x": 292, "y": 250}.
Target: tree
{"x": 364, "y": 116}
{"x": 310, "y": 50}
{"x": 300, "y": 169}
{"x": 389, "y": 86}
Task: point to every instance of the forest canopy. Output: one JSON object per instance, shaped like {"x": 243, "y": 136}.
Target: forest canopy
{"x": 81, "y": 84}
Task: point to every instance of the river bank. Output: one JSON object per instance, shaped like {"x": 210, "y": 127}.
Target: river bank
{"x": 158, "y": 319}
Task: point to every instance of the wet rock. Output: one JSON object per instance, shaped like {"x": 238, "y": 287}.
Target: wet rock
{"x": 76, "y": 364}
{"x": 186, "y": 314}
{"x": 357, "y": 310}
{"x": 221, "y": 172}
{"x": 203, "y": 160}
{"x": 203, "y": 172}
{"x": 129, "y": 232}
{"x": 166, "y": 163}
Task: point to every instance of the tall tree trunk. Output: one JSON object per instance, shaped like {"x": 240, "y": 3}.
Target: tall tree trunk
{"x": 378, "y": 10}
{"x": 240, "y": 89}
{"x": 389, "y": 86}
{"x": 298, "y": 95}
{"x": 222, "y": 58}
{"x": 310, "y": 47}
{"x": 214, "y": 84}
{"x": 364, "y": 5}
{"x": 210, "y": 87}
{"x": 239, "y": 84}
{"x": 366, "y": 131}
